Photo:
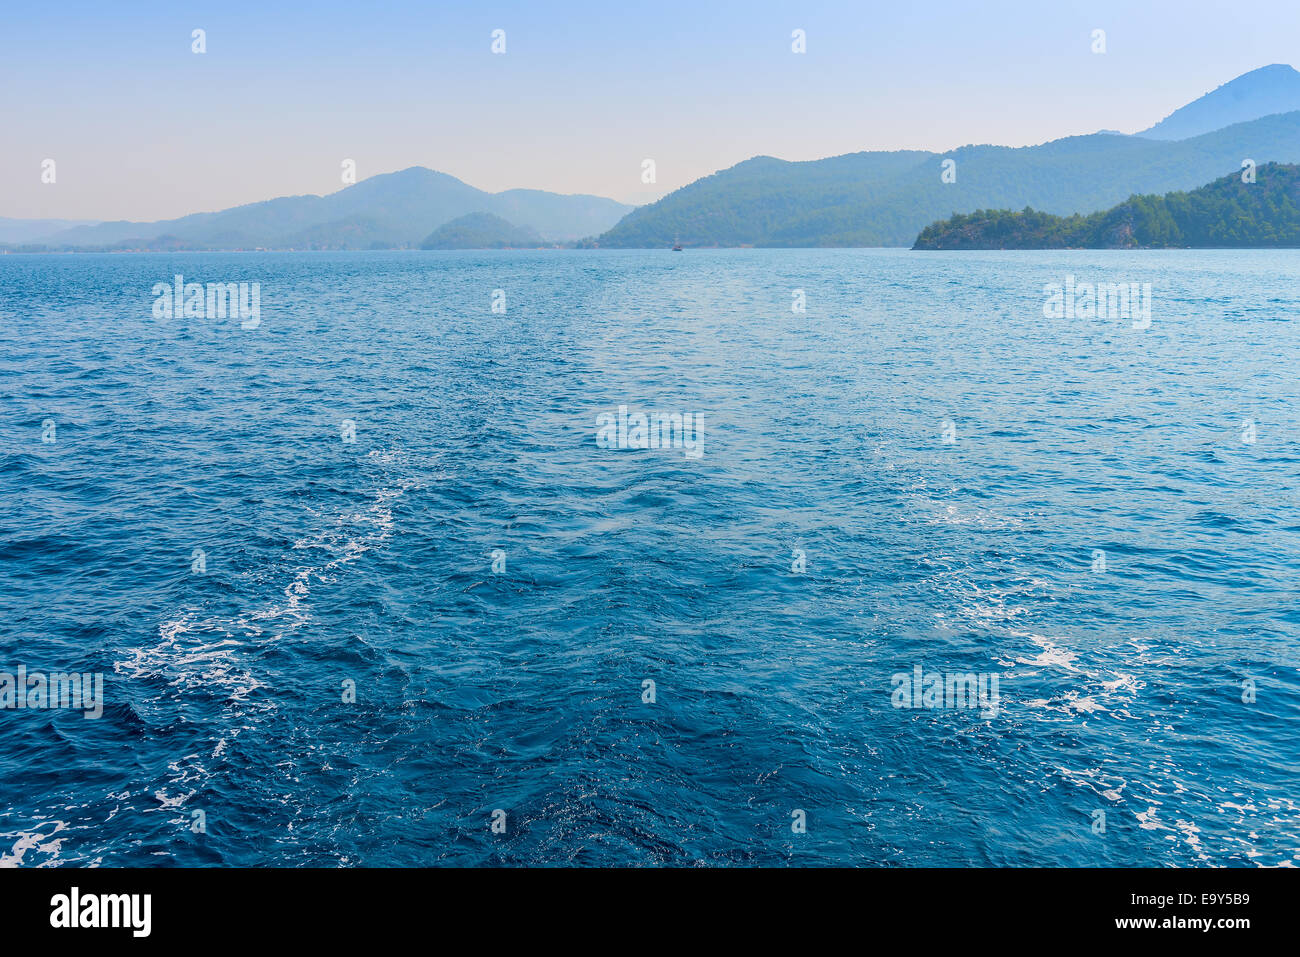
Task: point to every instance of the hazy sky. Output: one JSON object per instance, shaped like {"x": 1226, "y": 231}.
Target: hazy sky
{"x": 142, "y": 128}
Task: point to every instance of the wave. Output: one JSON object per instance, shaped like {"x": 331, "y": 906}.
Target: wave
{"x": 201, "y": 657}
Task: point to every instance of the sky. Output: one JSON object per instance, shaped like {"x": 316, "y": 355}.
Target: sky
{"x": 140, "y": 127}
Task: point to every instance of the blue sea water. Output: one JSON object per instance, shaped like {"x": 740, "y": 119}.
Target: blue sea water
{"x": 1123, "y": 688}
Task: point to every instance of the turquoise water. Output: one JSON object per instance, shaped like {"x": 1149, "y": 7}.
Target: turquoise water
{"x": 919, "y": 470}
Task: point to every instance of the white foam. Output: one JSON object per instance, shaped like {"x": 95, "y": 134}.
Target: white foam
{"x": 197, "y": 654}
{"x": 40, "y": 839}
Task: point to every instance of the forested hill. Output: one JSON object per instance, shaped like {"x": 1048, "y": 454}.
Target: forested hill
{"x": 482, "y": 231}
{"x": 885, "y": 199}
{"x": 1227, "y": 213}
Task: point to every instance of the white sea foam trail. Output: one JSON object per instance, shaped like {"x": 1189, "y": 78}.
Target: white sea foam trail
{"x": 200, "y": 656}
{"x": 194, "y": 651}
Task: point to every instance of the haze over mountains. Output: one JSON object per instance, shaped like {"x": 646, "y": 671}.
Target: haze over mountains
{"x": 36, "y": 230}
{"x": 390, "y": 210}
{"x": 1270, "y": 89}
{"x": 886, "y": 198}
{"x": 858, "y": 199}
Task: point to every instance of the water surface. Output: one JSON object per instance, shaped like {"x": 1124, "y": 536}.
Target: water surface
{"x": 823, "y": 435}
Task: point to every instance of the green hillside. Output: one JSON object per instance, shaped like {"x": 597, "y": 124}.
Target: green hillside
{"x": 482, "y": 231}
{"x": 885, "y": 199}
{"x": 1224, "y": 213}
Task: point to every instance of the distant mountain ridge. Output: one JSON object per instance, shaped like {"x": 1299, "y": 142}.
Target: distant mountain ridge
{"x": 1227, "y": 213}
{"x": 36, "y": 230}
{"x": 385, "y": 211}
{"x": 886, "y": 198}
{"x": 1263, "y": 92}
{"x": 858, "y": 199}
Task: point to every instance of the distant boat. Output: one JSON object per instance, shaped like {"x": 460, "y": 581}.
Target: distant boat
{"x": 677, "y": 246}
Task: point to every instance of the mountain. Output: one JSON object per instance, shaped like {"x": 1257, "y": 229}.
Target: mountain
{"x": 385, "y": 211}
{"x": 36, "y": 230}
{"x": 1262, "y": 92}
{"x": 885, "y": 199}
{"x": 482, "y": 231}
{"x": 1226, "y": 213}
{"x": 767, "y": 202}
{"x": 859, "y": 199}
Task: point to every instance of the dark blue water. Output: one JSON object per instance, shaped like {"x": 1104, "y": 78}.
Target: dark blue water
{"x": 823, "y": 433}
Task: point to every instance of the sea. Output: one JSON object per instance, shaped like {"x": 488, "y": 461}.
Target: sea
{"x": 749, "y": 557}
